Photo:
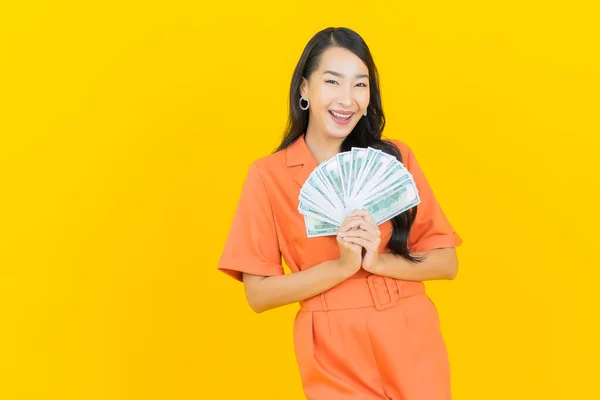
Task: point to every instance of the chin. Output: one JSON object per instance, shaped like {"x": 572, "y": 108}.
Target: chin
{"x": 341, "y": 133}
{"x": 338, "y": 134}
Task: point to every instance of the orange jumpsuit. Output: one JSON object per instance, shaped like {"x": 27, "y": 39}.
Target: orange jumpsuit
{"x": 369, "y": 337}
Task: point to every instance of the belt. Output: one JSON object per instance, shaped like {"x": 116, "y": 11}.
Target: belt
{"x": 376, "y": 291}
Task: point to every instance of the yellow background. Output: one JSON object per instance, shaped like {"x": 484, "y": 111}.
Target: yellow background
{"x": 127, "y": 130}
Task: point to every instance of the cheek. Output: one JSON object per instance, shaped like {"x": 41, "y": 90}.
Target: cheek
{"x": 323, "y": 97}
{"x": 363, "y": 98}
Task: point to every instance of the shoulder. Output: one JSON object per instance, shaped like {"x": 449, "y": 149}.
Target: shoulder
{"x": 271, "y": 161}
{"x": 405, "y": 150}
{"x": 268, "y": 166}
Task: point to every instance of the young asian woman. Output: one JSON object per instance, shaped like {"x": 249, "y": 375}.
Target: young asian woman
{"x": 366, "y": 328}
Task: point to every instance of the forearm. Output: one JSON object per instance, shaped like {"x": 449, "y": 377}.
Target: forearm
{"x": 276, "y": 291}
{"x": 439, "y": 264}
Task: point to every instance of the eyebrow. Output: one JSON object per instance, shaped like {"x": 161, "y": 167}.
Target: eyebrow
{"x": 342, "y": 75}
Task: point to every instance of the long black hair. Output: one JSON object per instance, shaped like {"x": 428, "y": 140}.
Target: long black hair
{"x": 367, "y": 131}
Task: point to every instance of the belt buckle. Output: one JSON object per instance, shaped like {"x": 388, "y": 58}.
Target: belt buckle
{"x": 388, "y": 283}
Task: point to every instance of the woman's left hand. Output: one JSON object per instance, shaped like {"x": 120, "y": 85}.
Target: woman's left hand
{"x": 364, "y": 232}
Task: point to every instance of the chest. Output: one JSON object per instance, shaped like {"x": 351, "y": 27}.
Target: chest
{"x": 299, "y": 251}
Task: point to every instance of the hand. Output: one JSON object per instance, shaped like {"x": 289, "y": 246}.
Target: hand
{"x": 363, "y": 231}
{"x": 350, "y": 254}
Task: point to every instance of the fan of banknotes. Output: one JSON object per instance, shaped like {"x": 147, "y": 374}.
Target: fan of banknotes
{"x": 364, "y": 178}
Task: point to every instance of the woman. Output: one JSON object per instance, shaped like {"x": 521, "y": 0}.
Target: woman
{"x": 366, "y": 328}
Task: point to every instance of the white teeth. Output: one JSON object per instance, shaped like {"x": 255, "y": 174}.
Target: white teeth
{"x": 341, "y": 116}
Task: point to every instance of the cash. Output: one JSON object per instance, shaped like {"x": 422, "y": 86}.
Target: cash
{"x": 362, "y": 178}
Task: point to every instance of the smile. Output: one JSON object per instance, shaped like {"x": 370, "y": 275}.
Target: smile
{"x": 341, "y": 116}
{"x": 340, "y": 119}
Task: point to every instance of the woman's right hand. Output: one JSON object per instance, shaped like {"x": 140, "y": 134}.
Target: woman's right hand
{"x": 350, "y": 254}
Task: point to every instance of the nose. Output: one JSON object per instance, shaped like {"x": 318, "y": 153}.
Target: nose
{"x": 346, "y": 97}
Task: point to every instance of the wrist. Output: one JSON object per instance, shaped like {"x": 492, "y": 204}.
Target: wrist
{"x": 342, "y": 271}
{"x": 380, "y": 266}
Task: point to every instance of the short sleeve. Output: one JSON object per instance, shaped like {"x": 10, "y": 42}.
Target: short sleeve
{"x": 431, "y": 229}
{"x": 251, "y": 245}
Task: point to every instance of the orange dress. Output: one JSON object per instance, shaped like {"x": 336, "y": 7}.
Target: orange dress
{"x": 369, "y": 337}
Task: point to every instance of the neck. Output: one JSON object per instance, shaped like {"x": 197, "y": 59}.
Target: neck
{"x": 321, "y": 146}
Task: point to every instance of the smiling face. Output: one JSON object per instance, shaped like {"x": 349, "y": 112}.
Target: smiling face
{"x": 338, "y": 92}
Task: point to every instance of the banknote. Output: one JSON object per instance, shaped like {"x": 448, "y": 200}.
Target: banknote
{"x": 359, "y": 178}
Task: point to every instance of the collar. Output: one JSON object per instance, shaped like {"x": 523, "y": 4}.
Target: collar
{"x": 298, "y": 154}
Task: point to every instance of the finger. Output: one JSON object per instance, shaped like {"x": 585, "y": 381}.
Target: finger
{"x": 355, "y": 248}
{"x": 374, "y": 241}
{"x": 349, "y": 224}
{"x": 370, "y": 246}
{"x": 343, "y": 228}
{"x": 361, "y": 224}
{"x": 371, "y": 228}
{"x": 369, "y": 218}
{"x": 364, "y": 213}
{"x": 340, "y": 238}
{"x": 355, "y": 214}
{"x": 360, "y": 211}
{"x": 348, "y": 245}
{"x": 351, "y": 218}
{"x": 360, "y": 234}
{"x": 354, "y": 218}
{"x": 352, "y": 224}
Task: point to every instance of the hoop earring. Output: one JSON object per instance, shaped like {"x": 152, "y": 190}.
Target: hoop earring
{"x": 307, "y": 103}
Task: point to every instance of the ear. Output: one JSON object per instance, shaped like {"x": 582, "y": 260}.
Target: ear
{"x": 303, "y": 87}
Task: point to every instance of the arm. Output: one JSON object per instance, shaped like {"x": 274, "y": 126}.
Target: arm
{"x": 440, "y": 264}
{"x": 267, "y": 292}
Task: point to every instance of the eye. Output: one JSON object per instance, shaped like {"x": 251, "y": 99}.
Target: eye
{"x": 330, "y": 80}
{"x": 363, "y": 85}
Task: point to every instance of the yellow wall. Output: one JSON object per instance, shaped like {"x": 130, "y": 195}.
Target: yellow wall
{"x": 116, "y": 119}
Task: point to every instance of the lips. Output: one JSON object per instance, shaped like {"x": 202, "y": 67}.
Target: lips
{"x": 341, "y": 115}
{"x": 341, "y": 121}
